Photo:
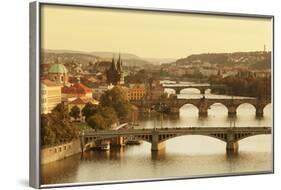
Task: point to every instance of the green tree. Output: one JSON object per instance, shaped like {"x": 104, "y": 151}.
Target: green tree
{"x": 113, "y": 96}
{"x": 118, "y": 100}
{"x": 89, "y": 110}
{"x": 60, "y": 111}
{"x": 123, "y": 110}
{"x": 56, "y": 127}
{"x": 141, "y": 76}
{"x": 109, "y": 115}
{"x": 75, "y": 112}
{"x": 97, "y": 122}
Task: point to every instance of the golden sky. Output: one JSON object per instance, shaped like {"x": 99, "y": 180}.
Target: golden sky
{"x": 150, "y": 34}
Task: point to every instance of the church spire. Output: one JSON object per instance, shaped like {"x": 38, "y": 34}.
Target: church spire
{"x": 119, "y": 64}
{"x": 113, "y": 65}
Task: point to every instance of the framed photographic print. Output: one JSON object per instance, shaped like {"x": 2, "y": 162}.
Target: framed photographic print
{"x": 126, "y": 94}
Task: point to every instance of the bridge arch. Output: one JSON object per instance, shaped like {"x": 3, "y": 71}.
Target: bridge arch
{"x": 189, "y": 110}
{"x": 188, "y": 104}
{"x": 220, "y": 137}
{"x": 208, "y": 90}
{"x": 223, "y": 108}
{"x": 251, "y": 108}
{"x": 191, "y": 90}
{"x": 268, "y": 106}
{"x": 268, "y": 109}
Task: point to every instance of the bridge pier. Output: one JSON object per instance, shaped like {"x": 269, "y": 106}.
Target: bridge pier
{"x": 202, "y": 91}
{"x": 231, "y": 143}
{"x": 203, "y": 111}
{"x": 259, "y": 112}
{"x": 232, "y": 147}
{"x": 155, "y": 144}
{"x": 178, "y": 90}
{"x": 232, "y": 111}
{"x": 117, "y": 142}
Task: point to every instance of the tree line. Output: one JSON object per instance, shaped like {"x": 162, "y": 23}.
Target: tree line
{"x": 259, "y": 87}
{"x": 56, "y": 127}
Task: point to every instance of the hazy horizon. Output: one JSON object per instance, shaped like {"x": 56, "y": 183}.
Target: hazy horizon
{"x": 150, "y": 34}
{"x": 117, "y": 53}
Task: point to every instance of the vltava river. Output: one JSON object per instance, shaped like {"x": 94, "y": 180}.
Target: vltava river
{"x": 184, "y": 156}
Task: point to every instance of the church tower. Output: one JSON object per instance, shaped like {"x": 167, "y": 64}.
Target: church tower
{"x": 58, "y": 73}
{"x": 114, "y": 74}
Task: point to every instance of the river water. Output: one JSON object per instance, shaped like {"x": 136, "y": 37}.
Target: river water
{"x": 185, "y": 156}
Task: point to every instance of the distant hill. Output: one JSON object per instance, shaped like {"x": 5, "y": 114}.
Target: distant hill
{"x": 159, "y": 61}
{"x": 128, "y": 58}
{"x": 109, "y": 55}
{"x": 255, "y": 60}
{"x": 69, "y": 56}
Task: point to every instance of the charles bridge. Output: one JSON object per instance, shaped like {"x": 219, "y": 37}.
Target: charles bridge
{"x": 158, "y": 136}
{"x": 203, "y": 104}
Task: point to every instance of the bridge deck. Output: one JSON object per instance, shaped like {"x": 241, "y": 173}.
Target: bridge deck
{"x": 178, "y": 130}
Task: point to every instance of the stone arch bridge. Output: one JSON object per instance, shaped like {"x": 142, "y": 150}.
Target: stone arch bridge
{"x": 201, "y": 87}
{"x": 203, "y": 104}
{"x": 158, "y": 136}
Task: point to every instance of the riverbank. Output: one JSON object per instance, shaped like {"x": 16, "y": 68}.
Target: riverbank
{"x": 65, "y": 150}
{"x": 59, "y": 152}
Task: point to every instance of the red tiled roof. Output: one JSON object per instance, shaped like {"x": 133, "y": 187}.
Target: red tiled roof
{"x": 77, "y": 88}
{"x": 83, "y": 100}
{"x": 78, "y": 101}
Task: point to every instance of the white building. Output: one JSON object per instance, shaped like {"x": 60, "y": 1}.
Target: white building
{"x": 50, "y": 95}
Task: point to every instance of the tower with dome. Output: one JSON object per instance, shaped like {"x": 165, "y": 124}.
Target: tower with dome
{"x": 58, "y": 73}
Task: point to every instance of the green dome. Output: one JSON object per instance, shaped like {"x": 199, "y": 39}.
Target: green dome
{"x": 58, "y": 68}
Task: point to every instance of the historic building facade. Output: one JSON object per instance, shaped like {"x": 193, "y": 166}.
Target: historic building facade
{"x": 136, "y": 92}
{"x": 50, "y": 96}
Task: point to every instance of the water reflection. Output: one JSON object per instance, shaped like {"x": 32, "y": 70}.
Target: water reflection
{"x": 63, "y": 170}
{"x": 158, "y": 155}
